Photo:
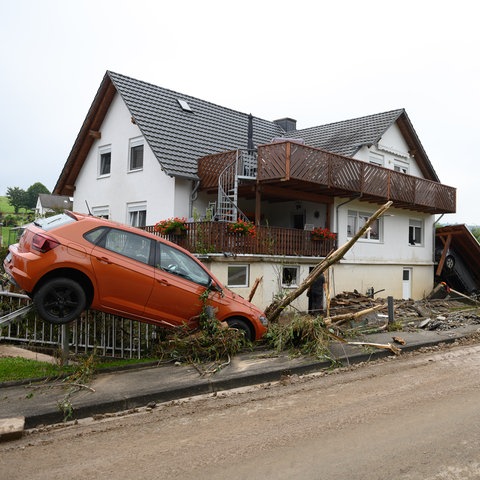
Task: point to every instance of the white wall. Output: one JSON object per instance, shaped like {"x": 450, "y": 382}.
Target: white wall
{"x": 115, "y": 191}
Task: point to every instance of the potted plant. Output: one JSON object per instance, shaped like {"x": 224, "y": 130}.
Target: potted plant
{"x": 241, "y": 227}
{"x": 174, "y": 225}
{"x": 320, "y": 233}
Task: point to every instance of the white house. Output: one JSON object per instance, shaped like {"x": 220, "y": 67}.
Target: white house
{"x": 47, "y": 203}
{"x": 145, "y": 153}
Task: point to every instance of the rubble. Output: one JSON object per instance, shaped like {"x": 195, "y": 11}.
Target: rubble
{"x": 429, "y": 314}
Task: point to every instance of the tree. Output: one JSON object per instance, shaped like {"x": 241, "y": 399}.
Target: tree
{"x": 17, "y": 197}
{"x": 32, "y": 194}
{"x": 476, "y": 232}
{"x": 274, "y": 310}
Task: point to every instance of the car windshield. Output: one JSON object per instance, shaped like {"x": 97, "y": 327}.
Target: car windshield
{"x": 55, "y": 221}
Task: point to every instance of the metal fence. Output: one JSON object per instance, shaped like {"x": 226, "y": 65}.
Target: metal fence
{"x": 105, "y": 335}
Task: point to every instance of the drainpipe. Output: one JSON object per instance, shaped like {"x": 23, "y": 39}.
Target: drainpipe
{"x": 434, "y": 236}
{"x": 341, "y": 205}
{"x": 193, "y": 197}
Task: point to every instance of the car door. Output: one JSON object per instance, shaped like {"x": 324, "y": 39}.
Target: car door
{"x": 122, "y": 262}
{"x": 179, "y": 282}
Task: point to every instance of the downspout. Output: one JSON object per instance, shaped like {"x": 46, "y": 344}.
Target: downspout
{"x": 332, "y": 283}
{"x": 341, "y": 205}
{"x": 193, "y": 197}
{"x": 434, "y": 236}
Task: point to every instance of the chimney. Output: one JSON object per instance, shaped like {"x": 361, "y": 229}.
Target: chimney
{"x": 288, "y": 124}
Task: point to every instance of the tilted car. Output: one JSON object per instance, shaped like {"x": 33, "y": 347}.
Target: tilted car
{"x": 72, "y": 261}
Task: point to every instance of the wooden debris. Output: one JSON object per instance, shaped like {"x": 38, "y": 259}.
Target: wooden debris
{"x": 399, "y": 340}
{"x": 254, "y": 288}
{"x": 385, "y": 346}
{"x": 339, "y": 319}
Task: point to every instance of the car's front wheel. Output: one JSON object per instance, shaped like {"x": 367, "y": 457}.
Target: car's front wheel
{"x": 60, "y": 300}
{"x": 243, "y": 327}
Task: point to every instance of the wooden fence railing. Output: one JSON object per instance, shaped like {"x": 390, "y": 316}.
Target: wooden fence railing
{"x": 214, "y": 237}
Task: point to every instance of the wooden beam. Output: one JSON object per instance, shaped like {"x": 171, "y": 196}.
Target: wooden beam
{"x": 288, "y": 194}
{"x": 446, "y": 246}
{"x": 95, "y": 134}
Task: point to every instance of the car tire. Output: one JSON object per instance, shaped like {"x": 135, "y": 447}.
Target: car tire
{"x": 60, "y": 300}
{"x": 243, "y": 327}
{"x": 449, "y": 262}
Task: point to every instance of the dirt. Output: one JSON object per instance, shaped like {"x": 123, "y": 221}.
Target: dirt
{"x": 408, "y": 417}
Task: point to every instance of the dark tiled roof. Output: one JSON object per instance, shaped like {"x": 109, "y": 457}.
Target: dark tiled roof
{"x": 179, "y": 138}
{"x": 348, "y": 136}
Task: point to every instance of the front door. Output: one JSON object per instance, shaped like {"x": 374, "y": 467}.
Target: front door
{"x": 407, "y": 284}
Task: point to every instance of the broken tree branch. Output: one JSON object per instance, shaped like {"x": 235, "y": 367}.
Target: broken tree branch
{"x": 274, "y": 310}
{"x": 338, "y": 319}
{"x": 385, "y": 346}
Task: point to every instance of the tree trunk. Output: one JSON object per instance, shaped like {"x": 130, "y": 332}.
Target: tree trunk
{"x": 274, "y": 310}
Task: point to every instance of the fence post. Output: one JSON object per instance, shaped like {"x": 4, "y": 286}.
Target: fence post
{"x": 65, "y": 345}
{"x": 391, "y": 318}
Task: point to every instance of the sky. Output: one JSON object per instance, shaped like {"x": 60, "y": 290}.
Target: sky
{"x": 316, "y": 61}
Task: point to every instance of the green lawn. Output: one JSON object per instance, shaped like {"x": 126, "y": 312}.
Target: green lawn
{"x": 17, "y": 368}
{"x": 5, "y": 207}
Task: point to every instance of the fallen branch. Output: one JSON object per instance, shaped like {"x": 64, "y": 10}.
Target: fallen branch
{"x": 385, "y": 346}
{"x": 339, "y": 319}
{"x": 274, "y": 310}
{"x": 254, "y": 288}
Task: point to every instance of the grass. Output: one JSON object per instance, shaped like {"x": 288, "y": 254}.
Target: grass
{"x": 17, "y": 368}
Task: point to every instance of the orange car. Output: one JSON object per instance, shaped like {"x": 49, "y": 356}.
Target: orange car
{"x": 70, "y": 262}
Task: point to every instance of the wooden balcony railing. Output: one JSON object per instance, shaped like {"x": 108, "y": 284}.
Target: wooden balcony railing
{"x": 309, "y": 168}
{"x": 214, "y": 237}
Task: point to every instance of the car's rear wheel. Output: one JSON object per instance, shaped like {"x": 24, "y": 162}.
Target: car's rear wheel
{"x": 243, "y": 327}
{"x": 449, "y": 262}
{"x": 60, "y": 300}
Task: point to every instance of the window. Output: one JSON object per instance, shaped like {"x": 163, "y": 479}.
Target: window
{"x": 136, "y": 154}
{"x": 137, "y": 214}
{"x": 415, "y": 232}
{"x": 238, "y": 275}
{"x": 375, "y": 159}
{"x": 124, "y": 243}
{"x": 290, "y": 276}
{"x": 175, "y": 262}
{"x": 101, "y": 212}
{"x": 400, "y": 166}
{"x": 356, "y": 220}
{"x": 104, "y": 161}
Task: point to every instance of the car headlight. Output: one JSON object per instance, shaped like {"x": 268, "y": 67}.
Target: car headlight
{"x": 263, "y": 320}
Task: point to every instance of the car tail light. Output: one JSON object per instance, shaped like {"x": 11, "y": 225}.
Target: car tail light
{"x": 43, "y": 244}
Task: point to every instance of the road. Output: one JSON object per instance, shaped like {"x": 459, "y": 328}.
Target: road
{"x": 416, "y": 416}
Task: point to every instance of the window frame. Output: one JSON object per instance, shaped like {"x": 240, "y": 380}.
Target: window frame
{"x": 413, "y": 225}
{"x": 136, "y": 208}
{"x": 133, "y": 144}
{"x": 367, "y": 236}
{"x": 102, "y": 211}
{"x": 295, "y": 281}
{"x": 103, "y": 150}
{"x": 246, "y": 275}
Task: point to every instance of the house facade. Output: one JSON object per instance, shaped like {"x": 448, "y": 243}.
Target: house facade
{"x": 145, "y": 153}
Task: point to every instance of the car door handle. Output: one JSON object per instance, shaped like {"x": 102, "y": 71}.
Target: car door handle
{"x": 103, "y": 260}
{"x": 162, "y": 281}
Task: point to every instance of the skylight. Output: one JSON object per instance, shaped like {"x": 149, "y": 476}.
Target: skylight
{"x": 184, "y": 104}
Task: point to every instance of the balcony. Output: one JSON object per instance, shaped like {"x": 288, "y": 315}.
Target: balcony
{"x": 214, "y": 237}
{"x": 286, "y": 168}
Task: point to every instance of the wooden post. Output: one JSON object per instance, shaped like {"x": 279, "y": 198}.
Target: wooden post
{"x": 65, "y": 345}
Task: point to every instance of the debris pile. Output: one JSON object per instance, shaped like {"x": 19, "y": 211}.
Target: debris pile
{"x": 429, "y": 314}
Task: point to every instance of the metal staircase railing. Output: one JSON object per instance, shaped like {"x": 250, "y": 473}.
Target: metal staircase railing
{"x": 243, "y": 168}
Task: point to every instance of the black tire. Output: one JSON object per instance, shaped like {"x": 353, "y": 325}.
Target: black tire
{"x": 242, "y": 326}
{"x": 449, "y": 262}
{"x": 60, "y": 300}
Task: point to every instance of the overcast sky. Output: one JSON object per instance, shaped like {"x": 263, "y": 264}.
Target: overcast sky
{"x": 316, "y": 61}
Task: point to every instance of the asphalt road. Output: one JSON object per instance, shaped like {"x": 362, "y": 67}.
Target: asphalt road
{"x": 416, "y": 416}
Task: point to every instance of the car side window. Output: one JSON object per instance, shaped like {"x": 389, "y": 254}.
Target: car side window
{"x": 174, "y": 261}
{"x": 136, "y": 247}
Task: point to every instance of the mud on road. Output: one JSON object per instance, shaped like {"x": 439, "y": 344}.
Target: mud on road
{"x": 407, "y": 417}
